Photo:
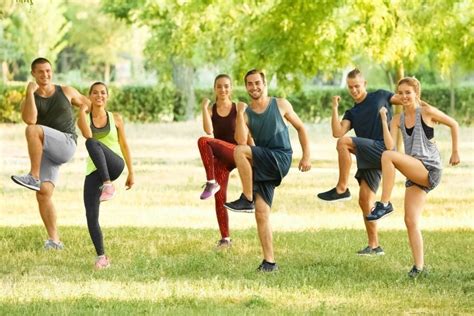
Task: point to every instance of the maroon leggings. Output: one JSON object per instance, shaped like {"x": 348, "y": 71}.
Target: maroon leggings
{"x": 218, "y": 159}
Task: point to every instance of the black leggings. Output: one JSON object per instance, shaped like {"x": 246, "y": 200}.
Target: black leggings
{"x": 109, "y": 167}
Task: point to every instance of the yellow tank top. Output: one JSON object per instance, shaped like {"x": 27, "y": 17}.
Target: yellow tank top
{"x": 107, "y": 135}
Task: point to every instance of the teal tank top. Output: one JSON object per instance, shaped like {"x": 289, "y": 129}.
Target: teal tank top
{"x": 270, "y": 130}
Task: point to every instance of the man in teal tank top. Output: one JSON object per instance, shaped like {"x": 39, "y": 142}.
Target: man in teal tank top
{"x": 51, "y": 137}
{"x": 263, "y": 166}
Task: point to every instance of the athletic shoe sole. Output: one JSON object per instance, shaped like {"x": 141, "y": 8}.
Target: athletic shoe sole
{"x": 373, "y": 254}
{"x": 212, "y": 194}
{"x": 385, "y": 215}
{"x": 240, "y": 211}
{"x": 31, "y": 187}
{"x": 338, "y": 200}
{"x": 107, "y": 199}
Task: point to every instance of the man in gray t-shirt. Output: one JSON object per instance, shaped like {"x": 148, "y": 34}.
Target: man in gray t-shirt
{"x": 51, "y": 137}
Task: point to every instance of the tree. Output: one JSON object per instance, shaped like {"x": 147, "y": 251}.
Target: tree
{"x": 31, "y": 39}
{"x": 101, "y": 37}
{"x": 184, "y": 35}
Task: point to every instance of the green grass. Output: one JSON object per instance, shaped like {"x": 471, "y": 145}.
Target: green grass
{"x": 176, "y": 271}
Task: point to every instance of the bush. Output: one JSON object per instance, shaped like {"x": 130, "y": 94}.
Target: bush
{"x": 164, "y": 104}
{"x": 10, "y": 99}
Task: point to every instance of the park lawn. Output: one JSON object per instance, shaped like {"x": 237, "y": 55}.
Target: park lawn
{"x": 176, "y": 271}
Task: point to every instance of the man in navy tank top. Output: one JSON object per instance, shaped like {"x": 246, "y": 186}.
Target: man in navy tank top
{"x": 263, "y": 166}
{"x": 51, "y": 138}
{"x": 367, "y": 146}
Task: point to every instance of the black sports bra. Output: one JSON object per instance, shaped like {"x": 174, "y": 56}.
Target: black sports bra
{"x": 429, "y": 131}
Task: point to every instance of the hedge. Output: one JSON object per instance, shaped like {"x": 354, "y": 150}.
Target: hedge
{"x": 163, "y": 103}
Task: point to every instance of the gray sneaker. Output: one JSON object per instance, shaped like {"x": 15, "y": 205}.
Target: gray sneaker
{"x": 367, "y": 251}
{"x": 27, "y": 181}
{"x": 266, "y": 266}
{"x": 224, "y": 244}
{"x": 415, "y": 272}
{"x": 52, "y": 245}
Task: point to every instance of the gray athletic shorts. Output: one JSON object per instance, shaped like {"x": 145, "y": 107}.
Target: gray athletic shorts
{"x": 369, "y": 154}
{"x": 58, "y": 148}
{"x": 434, "y": 177}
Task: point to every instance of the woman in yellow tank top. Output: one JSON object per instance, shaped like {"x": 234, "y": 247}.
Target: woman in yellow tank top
{"x": 107, "y": 146}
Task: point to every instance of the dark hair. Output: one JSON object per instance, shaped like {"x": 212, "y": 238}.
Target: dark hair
{"x": 222, "y": 76}
{"x": 96, "y": 84}
{"x": 354, "y": 73}
{"x": 253, "y": 72}
{"x": 38, "y": 61}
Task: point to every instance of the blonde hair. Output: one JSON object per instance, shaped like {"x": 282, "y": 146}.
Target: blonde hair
{"x": 412, "y": 82}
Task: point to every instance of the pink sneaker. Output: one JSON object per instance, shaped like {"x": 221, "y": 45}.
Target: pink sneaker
{"x": 102, "y": 262}
{"x": 108, "y": 192}
{"x": 209, "y": 190}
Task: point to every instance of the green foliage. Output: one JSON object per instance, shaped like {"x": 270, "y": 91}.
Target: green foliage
{"x": 163, "y": 103}
{"x": 32, "y": 38}
{"x": 10, "y": 104}
{"x": 145, "y": 103}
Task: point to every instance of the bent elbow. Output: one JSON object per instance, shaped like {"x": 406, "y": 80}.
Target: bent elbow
{"x": 241, "y": 141}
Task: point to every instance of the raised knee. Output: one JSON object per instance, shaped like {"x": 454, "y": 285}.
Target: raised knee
{"x": 32, "y": 130}
{"x": 90, "y": 142}
{"x": 239, "y": 151}
{"x": 387, "y": 155}
{"x": 343, "y": 143}
{"x": 202, "y": 141}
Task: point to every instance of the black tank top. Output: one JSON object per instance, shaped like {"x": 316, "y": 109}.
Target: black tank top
{"x": 56, "y": 112}
{"x": 224, "y": 127}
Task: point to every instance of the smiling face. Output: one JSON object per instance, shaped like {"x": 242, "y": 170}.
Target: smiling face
{"x": 357, "y": 88}
{"x": 42, "y": 73}
{"x": 255, "y": 86}
{"x": 98, "y": 95}
{"x": 409, "y": 90}
{"x": 407, "y": 94}
{"x": 223, "y": 88}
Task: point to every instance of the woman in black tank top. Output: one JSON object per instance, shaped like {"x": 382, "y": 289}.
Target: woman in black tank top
{"x": 217, "y": 153}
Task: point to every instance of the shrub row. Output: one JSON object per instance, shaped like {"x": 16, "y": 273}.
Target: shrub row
{"x": 163, "y": 103}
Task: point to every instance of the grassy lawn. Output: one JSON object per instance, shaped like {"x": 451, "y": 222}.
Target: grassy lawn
{"x": 160, "y": 237}
{"x": 175, "y": 270}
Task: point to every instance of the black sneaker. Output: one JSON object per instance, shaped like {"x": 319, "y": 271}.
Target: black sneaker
{"x": 368, "y": 251}
{"x": 266, "y": 266}
{"x": 241, "y": 205}
{"x": 379, "y": 211}
{"x": 415, "y": 272}
{"x": 333, "y": 196}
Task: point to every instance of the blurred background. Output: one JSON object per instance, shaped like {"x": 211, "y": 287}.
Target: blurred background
{"x": 161, "y": 56}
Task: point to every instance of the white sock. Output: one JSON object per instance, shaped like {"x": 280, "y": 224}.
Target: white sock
{"x": 227, "y": 238}
{"x": 211, "y": 181}
{"x": 385, "y": 204}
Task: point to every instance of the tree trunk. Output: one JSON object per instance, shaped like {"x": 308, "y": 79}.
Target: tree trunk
{"x": 5, "y": 72}
{"x": 107, "y": 72}
{"x": 451, "y": 90}
{"x": 183, "y": 78}
{"x": 398, "y": 108}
